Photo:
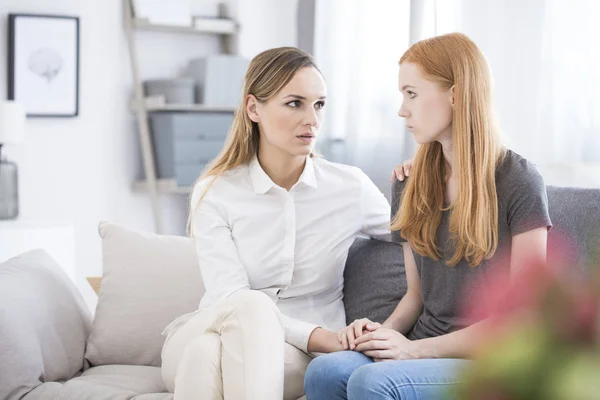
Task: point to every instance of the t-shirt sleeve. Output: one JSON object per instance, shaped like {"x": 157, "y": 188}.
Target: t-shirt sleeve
{"x": 375, "y": 210}
{"x": 527, "y": 205}
{"x": 397, "y": 189}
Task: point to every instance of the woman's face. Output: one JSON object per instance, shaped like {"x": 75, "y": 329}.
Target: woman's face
{"x": 426, "y": 107}
{"x": 290, "y": 121}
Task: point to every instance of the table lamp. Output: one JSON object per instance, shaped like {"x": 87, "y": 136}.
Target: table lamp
{"x": 12, "y": 129}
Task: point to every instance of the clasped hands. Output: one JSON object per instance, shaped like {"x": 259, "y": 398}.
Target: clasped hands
{"x": 377, "y": 342}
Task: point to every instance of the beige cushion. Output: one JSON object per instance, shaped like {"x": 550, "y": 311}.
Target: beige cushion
{"x": 148, "y": 281}
{"x": 108, "y": 382}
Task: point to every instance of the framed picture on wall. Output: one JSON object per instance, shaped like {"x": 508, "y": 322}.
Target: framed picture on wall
{"x": 43, "y": 64}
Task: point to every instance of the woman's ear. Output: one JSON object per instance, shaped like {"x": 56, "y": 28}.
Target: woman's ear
{"x": 452, "y": 94}
{"x": 251, "y": 108}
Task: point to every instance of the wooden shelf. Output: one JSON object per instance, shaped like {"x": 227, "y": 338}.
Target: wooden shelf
{"x": 163, "y": 186}
{"x": 157, "y": 104}
{"x": 189, "y": 108}
{"x": 201, "y": 26}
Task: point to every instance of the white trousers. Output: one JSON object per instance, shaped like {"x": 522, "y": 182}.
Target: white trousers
{"x": 234, "y": 350}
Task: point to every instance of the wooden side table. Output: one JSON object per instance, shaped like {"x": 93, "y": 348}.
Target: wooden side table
{"x": 95, "y": 282}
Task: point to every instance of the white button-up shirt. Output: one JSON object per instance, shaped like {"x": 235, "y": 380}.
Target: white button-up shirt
{"x": 292, "y": 246}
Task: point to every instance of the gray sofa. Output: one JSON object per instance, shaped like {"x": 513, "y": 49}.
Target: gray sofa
{"x": 45, "y": 328}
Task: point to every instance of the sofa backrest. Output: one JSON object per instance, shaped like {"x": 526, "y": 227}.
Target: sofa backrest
{"x": 374, "y": 279}
{"x": 575, "y": 215}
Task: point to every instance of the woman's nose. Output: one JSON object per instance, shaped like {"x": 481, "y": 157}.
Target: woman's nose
{"x": 311, "y": 118}
{"x": 403, "y": 112}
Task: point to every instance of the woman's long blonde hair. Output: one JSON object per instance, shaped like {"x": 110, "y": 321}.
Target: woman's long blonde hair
{"x": 267, "y": 74}
{"x": 455, "y": 60}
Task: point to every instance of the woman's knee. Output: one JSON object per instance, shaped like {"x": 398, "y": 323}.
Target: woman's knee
{"x": 410, "y": 379}
{"x": 318, "y": 369}
{"x": 331, "y": 371}
{"x": 202, "y": 354}
{"x": 251, "y": 300}
{"x": 249, "y": 312}
{"x": 200, "y": 357}
{"x": 368, "y": 381}
{"x": 199, "y": 370}
{"x": 207, "y": 348}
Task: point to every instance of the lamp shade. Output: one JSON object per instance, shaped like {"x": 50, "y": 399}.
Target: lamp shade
{"x": 12, "y": 122}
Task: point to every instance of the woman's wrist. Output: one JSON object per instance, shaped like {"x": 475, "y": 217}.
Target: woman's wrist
{"x": 425, "y": 348}
{"x": 324, "y": 341}
{"x": 388, "y": 324}
{"x": 392, "y": 324}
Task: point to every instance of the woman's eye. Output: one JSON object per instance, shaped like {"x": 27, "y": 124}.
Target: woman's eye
{"x": 411, "y": 95}
{"x": 320, "y": 104}
{"x": 294, "y": 104}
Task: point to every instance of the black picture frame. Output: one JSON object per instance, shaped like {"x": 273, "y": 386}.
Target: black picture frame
{"x": 43, "y": 64}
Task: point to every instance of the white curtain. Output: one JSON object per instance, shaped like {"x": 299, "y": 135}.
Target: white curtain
{"x": 545, "y": 60}
{"x": 544, "y": 57}
{"x": 358, "y": 44}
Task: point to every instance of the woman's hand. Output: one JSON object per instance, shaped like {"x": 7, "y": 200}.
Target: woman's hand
{"x": 401, "y": 171}
{"x": 386, "y": 344}
{"x": 356, "y": 329}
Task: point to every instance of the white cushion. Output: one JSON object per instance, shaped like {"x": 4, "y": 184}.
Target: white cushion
{"x": 148, "y": 280}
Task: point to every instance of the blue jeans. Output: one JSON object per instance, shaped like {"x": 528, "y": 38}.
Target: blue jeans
{"x": 352, "y": 375}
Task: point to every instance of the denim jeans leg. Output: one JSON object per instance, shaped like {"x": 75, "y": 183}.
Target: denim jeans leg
{"x": 327, "y": 375}
{"x": 426, "y": 379}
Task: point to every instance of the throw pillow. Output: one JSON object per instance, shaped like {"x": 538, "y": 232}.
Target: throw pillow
{"x": 148, "y": 280}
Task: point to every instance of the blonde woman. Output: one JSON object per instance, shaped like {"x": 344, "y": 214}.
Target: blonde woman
{"x": 469, "y": 207}
{"x": 272, "y": 224}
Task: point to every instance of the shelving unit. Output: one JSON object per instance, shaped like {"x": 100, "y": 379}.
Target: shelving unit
{"x": 156, "y": 105}
{"x": 142, "y": 106}
{"x": 199, "y": 28}
{"x": 163, "y": 186}
{"x": 189, "y": 108}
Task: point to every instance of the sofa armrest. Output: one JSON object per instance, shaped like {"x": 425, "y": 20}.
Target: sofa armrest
{"x": 44, "y": 325}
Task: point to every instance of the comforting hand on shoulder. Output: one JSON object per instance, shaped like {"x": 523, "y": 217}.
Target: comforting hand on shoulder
{"x": 401, "y": 171}
{"x": 355, "y": 330}
{"x": 386, "y": 344}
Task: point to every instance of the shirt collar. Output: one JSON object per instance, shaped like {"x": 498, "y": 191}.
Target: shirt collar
{"x": 260, "y": 180}
{"x": 262, "y": 183}
{"x": 308, "y": 176}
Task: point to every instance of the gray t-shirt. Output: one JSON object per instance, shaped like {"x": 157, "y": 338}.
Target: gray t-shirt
{"x": 522, "y": 206}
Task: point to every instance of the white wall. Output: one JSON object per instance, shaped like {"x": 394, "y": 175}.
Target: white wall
{"x": 79, "y": 170}
{"x": 266, "y": 24}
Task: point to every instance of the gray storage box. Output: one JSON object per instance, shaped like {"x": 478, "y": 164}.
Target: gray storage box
{"x": 174, "y": 91}
{"x": 219, "y": 78}
{"x": 184, "y": 143}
